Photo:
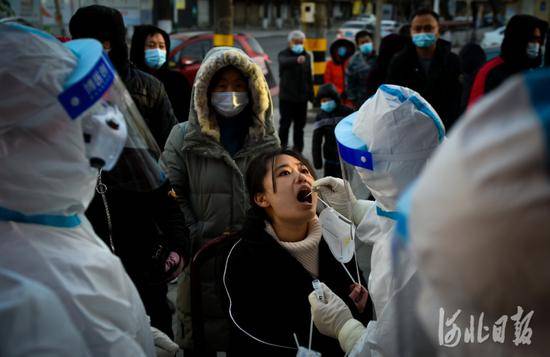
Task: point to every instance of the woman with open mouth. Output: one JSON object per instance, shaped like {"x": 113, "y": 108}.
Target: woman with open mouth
{"x": 269, "y": 271}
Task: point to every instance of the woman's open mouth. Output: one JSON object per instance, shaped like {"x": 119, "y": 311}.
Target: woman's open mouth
{"x": 304, "y": 195}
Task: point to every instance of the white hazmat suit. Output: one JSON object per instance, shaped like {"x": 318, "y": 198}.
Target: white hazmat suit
{"x": 482, "y": 244}
{"x": 386, "y": 144}
{"x": 25, "y": 303}
{"x": 46, "y": 183}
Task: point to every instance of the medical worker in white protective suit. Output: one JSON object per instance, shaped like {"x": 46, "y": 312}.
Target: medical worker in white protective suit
{"x": 63, "y": 115}
{"x": 384, "y": 146}
{"x": 44, "y": 311}
{"x": 478, "y": 226}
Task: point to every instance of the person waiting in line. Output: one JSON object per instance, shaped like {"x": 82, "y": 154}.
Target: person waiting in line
{"x": 149, "y": 52}
{"x": 269, "y": 271}
{"x": 428, "y": 66}
{"x": 230, "y": 123}
{"x": 389, "y": 46}
{"x": 520, "y": 51}
{"x": 132, "y": 210}
{"x": 358, "y": 68}
{"x": 324, "y": 150}
{"x": 106, "y": 25}
{"x": 296, "y": 89}
{"x": 335, "y": 72}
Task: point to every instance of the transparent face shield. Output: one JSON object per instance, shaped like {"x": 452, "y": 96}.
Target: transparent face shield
{"x": 95, "y": 94}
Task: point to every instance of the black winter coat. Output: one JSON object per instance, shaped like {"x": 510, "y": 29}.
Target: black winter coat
{"x": 440, "y": 87}
{"x": 269, "y": 292}
{"x": 323, "y": 132}
{"x": 141, "y": 221}
{"x": 296, "y": 81}
{"x": 152, "y": 102}
{"x": 178, "y": 90}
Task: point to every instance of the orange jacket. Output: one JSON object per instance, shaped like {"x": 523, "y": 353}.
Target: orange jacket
{"x": 335, "y": 74}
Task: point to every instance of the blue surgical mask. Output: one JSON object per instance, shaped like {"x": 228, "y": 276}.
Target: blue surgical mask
{"x": 366, "y": 48}
{"x": 342, "y": 51}
{"x": 298, "y": 48}
{"x": 155, "y": 58}
{"x": 533, "y": 49}
{"x": 424, "y": 39}
{"x": 328, "y": 106}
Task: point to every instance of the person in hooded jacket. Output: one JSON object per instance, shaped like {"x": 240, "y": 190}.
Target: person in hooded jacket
{"x": 428, "y": 66}
{"x": 335, "y": 72}
{"x": 520, "y": 51}
{"x": 142, "y": 223}
{"x": 229, "y": 124}
{"x": 280, "y": 253}
{"x": 359, "y": 66}
{"x": 323, "y": 145}
{"x": 149, "y": 52}
{"x": 106, "y": 25}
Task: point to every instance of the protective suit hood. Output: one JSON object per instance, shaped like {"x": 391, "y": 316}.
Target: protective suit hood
{"x": 46, "y": 182}
{"x": 489, "y": 194}
{"x": 39, "y": 137}
{"x": 396, "y": 130}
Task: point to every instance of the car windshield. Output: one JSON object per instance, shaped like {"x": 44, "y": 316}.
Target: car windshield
{"x": 354, "y": 25}
{"x": 174, "y": 42}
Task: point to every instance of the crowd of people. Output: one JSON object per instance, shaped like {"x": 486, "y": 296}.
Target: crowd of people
{"x": 118, "y": 177}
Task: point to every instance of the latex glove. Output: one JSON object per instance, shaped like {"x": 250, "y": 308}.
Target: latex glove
{"x": 330, "y": 316}
{"x": 333, "y": 191}
{"x": 164, "y": 346}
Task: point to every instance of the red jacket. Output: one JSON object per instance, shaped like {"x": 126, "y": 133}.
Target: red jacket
{"x": 335, "y": 74}
{"x": 479, "y": 88}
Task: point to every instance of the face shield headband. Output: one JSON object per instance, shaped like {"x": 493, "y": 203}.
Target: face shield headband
{"x": 112, "y": 125}
{"x": 104, "y": 128}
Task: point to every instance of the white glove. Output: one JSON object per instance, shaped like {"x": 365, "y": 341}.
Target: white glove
{"x": 333, "y": 191}
{"x": 329, "y": 317}
{"x": 164, "y": 346}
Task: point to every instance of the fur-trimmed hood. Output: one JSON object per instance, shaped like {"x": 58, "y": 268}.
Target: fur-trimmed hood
{"x": 202, "y": 120}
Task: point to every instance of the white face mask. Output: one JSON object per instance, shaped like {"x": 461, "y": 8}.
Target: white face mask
{"x": 337, "y": 235}
{"x": 533, "y": 49}
{"x": 229, "y": 104}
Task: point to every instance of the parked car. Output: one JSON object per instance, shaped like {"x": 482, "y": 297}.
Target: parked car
{"x": 491, "y": 42}
{"x": 188, "y": 49}
{"x": 493, "y": 38}
{"x": 387, "y": 27}
{"x": 350, "y": 28}
{"x": 368, "y": 18}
